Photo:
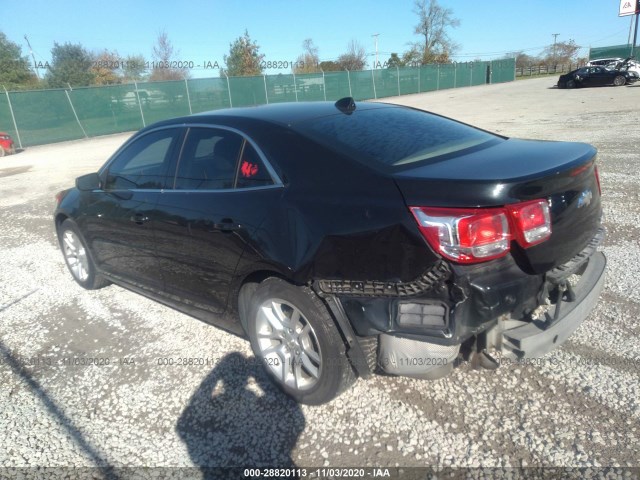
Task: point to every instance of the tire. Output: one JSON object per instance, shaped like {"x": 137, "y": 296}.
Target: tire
{"x": 571, "y": 84}
{"x": 295, "y": 337}
{"x": 77, "y": 257}
{"x": 619, "y": 81}
{"x": 2, "y": 152}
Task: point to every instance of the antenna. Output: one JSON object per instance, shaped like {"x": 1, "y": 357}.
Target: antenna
{"x": 346, "y": 105}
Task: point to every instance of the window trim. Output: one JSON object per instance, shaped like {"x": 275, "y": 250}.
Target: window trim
{"x": 183, "y": 129}
{"x": 275, "y": 178}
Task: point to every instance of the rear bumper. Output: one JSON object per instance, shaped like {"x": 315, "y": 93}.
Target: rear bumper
{"x": 539, "y": 337}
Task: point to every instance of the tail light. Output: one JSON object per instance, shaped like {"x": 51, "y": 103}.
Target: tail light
{"x": 532, "y": 222}
{"x": 59, "y": 196}
{"x": 472, "y": 235}
{"x": 465, "y": 235}
{"x": 597, "y": 174}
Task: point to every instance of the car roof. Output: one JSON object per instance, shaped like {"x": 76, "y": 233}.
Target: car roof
{"x": 285, "y": 114}
{"x": 612, "y": 59}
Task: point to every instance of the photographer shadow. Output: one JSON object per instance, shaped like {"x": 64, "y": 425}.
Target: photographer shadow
{"x": 238, "y": 418}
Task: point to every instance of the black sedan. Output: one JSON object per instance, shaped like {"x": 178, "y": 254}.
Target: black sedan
{"x": 346, "y": 239}
{"x": 596, "y": 77}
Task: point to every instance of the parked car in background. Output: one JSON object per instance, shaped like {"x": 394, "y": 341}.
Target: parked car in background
{"x": 597, "y": 77}
{"x": 6, "y": 144}
{"x": 628, "y": 65}
{"x": 345, "y": 239}
{"x": 604, "y": 62}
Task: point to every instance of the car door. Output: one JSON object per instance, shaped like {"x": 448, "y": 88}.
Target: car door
{"x": 220, "y": 195}
{"x": 600, "y": 76}
{"x": 120, "y": 223}
{"x": 585, "y": 76}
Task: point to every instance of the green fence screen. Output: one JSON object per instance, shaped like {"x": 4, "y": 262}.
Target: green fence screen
{"x": 6, "y": 120}
{"x": 45, "y": 116}
{"x": 104, "y": 110}
{"x": 503, "y": 71}
{"x": 614, "y": 51}
{"x": 208, "y": 94}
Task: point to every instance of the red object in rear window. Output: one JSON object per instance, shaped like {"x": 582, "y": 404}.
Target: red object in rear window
{"x": 248, "y": 169}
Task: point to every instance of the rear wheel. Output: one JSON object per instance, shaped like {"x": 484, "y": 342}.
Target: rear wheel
{"x": 619, "y": 81}
{"x": 295, "y": 337}
{"x": 78, "y": 258}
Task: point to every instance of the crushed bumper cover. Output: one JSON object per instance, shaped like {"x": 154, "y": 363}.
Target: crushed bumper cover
{"x": 539, "y": 337}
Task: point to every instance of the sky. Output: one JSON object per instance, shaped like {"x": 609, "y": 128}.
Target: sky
{"x": 201, "y": 30}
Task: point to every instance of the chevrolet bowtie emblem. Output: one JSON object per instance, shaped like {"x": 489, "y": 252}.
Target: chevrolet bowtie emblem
{"x": 585, "y": 198}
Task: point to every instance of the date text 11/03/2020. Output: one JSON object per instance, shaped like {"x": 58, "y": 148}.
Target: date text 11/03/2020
{"x": 326, "y": 472}
{"x": 205, "y": 64}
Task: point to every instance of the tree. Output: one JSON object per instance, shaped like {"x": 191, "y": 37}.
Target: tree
{"x": 561, "y": 52}
{"x": 14, "y": 67}
{"x": 329, "y": 66}
{"x": 354, "y": 59}
{"x": 394, "y": 61}
{"x": 134, "y": 68}
{"x": 412, "y": 57}
{"x": 244, "y": 58}
{"x": 308, "y": 61}
{"x": 106, "y": 66}
{"x": 163, "y": 59}
{"x": 523, "y": 60}
{"x": 70, "y": 65}
{"x": 434, "y": 21}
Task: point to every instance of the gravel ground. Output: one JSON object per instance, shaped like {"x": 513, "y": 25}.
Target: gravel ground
{"x": 577, "y": 407}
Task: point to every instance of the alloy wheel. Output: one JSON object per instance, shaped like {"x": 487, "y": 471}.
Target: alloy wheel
{"x": 288, "y": 344}
{"x": 76, "y": 255}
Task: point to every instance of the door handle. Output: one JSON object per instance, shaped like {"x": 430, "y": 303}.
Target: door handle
{"x": 139, "y": 218}
{"x": 226, "y": 225}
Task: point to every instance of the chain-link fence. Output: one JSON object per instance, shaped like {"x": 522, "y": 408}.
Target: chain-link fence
{"x": 46, "y": 116}
{"x": 533, "y": 70}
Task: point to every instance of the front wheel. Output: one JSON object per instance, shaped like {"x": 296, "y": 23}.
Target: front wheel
{"x": 619, "y": 81}
{"x": 77, "y": 257}
{"x": 571, "y": 84}
{"x": 295, "y": 337}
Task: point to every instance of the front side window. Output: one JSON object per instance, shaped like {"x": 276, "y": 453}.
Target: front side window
{"x": 143, "y": 163}
{"x": 208, "y": 160}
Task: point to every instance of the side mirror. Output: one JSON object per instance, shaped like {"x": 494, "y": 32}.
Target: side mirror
{"x": 88, "y": 182}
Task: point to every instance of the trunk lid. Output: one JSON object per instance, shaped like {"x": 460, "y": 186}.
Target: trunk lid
{"x": 514, "y": 171}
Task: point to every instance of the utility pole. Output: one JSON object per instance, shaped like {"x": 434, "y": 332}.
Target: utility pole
{"x": 555, "y": 36}
{"x": 635, "y": 33}
{"x": 32, "y": 56}
{"x": 375, "y": 36}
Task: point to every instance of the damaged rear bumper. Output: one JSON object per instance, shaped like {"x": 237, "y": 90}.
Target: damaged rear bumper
{"x": 488, "y": 307}
{"x": 539, "y": 337}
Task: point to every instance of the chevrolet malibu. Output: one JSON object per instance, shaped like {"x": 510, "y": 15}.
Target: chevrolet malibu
{"x": 347, "y": 239}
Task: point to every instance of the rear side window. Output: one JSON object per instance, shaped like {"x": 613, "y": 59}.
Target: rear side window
{"x": 251, "y": 171}
{"x": 143, "y": 163}
{"x": 393, "y": 136}
{"x": 208, "y": 160}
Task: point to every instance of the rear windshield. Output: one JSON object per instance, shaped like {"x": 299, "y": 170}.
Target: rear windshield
{"x": 393, "y": 136}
